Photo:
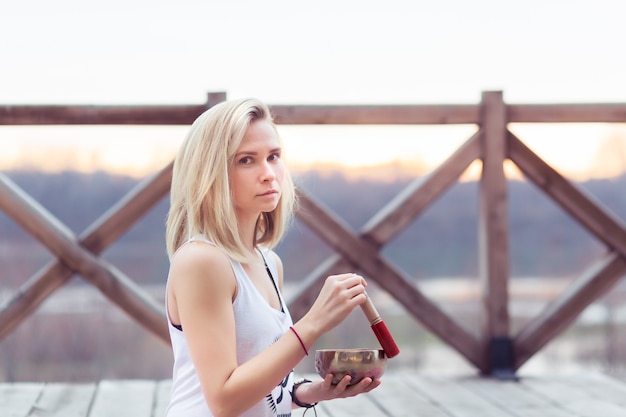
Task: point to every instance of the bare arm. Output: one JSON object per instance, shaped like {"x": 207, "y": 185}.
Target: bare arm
{"x": 323, "y": 389}
{"x": 202, "y": 304}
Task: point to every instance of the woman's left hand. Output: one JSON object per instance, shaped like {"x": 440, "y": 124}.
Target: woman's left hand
{"x": 325, "y": 390}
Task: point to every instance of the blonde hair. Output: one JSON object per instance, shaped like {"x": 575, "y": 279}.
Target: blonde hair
{"x": 200, "y": 195}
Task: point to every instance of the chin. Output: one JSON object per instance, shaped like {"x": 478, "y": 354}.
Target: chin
{"x": 269, "y": 208}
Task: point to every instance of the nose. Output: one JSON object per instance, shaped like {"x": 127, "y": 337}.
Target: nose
{"x": 267, "y": 173}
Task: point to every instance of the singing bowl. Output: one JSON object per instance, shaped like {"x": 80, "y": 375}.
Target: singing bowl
{"x": 358, "y": 363}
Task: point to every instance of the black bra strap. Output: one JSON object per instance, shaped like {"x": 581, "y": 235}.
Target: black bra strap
{"x": 269, "y": 273}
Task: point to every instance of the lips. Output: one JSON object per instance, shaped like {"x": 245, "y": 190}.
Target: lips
{"x": 268, "y": 193}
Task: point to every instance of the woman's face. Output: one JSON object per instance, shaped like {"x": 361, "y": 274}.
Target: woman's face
{"x": 258, "y": 171}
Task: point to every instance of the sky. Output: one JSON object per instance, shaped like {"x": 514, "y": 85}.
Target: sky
{"x": 323, "y": 52}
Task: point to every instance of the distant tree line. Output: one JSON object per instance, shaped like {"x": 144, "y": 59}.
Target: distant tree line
{"x": 442, "y": 242}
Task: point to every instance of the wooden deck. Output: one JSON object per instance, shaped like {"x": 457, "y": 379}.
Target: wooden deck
{"x": 402, "y": 394}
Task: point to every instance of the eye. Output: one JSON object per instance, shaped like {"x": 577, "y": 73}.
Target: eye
{"x": 246, "y": 160}
{"x": 274, "y": 157}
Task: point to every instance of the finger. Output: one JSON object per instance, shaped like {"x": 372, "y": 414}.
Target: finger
{"x": 359, "y": 280}
{"x": 355, "y": 286}
{"x": 363, "y": 281}
{"x": 356, "y": 290}
{"x": 373, "y": 385}
{"x": 352, "y": 278}
{"x": 343, "y": 384}
{"x": 364, "y": 384}
{"x": 328, "y": 382}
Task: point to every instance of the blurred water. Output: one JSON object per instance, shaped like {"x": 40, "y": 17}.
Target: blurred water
{"x": 78, "y": 334}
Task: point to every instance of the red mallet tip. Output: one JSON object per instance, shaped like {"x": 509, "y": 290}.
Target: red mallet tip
{"x": 385, "y": 339}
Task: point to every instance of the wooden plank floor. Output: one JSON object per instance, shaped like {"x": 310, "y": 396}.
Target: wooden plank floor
{"x": 402, "y": 394}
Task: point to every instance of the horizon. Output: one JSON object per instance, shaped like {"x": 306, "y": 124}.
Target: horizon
{"x": 578, "y": 151}
{"x": 384, "y": 172}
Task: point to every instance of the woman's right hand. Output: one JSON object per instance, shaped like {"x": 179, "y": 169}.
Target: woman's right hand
{"x": 336, "y": 300}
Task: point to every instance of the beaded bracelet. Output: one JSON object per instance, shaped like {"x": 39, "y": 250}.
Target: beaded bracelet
{"x": 293, "y": 394}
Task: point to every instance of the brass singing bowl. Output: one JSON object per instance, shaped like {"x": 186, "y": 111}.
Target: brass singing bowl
{"x": 358, "y": 363}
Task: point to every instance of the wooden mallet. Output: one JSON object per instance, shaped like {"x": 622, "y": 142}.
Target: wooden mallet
{"x": 380, "y": 328}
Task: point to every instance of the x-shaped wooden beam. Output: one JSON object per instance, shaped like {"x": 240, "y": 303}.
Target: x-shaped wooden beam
{"x": 79, "y": 254}
{"x": 594, "y": 282}
{"x": 362, "y": 252}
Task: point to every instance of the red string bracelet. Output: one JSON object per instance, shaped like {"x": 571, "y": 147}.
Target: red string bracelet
{"x": 300, "y": 340}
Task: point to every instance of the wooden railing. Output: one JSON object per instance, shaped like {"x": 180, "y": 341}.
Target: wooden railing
{"x": 496, "y": 351}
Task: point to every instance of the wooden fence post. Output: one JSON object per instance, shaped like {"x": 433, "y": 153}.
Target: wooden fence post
{"x": 493, "y": 239}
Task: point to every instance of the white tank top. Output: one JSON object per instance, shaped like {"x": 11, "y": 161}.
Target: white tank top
{"x": 258, "y": 325}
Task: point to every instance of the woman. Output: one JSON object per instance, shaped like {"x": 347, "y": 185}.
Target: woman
{"x": 233, "y": 340}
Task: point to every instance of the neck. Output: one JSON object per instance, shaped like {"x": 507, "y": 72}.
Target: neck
{"x": 247, "y": 229}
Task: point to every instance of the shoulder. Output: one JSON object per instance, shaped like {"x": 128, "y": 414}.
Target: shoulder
{"x": 199, "y": 253}
{"x": 200, "y": 264}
